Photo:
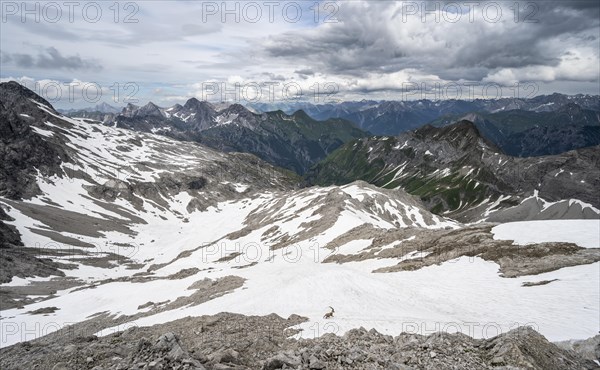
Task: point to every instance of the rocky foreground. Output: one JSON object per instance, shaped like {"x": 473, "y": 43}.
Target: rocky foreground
{"x": 231, "y": 341}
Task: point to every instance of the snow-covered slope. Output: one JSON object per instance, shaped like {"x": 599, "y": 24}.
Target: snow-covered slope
{"x": 536, "y": 208}
{"x": 147, "y": 229}
{"x": 585, "y": 233}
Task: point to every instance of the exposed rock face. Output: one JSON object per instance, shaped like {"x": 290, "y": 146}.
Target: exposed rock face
{"x": 588, "y": 348}
{"x": 23, "y": 263}
{"x": 230, "y": 341}
{"x": 535, "y": 208}
{"x": 22, "y": 151}
{"x": 430, "y": 247}
{"x": 9, "y": 236}
{"x": 16, "y": 260}
{"x": 165, "y": 352}
{"x": 522, "y": 348}
{"x": 204, "y": 113}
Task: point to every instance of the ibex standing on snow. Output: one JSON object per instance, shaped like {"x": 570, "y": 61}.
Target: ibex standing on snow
{"x": 329, "y": 315}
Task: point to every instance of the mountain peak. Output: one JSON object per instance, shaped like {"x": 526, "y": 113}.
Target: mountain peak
{"x": 149, "y": 109}
{"x": 238, "y": 109}
{"x": 462, "y": 134}
{"x": 196, "y": 104}
{"x": 132, "y": 110}
{"x": 467, "y": 125}
{"x": 473, "y": 118}
{"x": 301, "y": 114}
{"x": 151, "y": 105}
{"x": 130, "y": 106}
{"x": 11, "y": 91}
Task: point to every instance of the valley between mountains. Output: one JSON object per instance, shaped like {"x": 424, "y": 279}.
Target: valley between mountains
{"x": 209, "y": 237}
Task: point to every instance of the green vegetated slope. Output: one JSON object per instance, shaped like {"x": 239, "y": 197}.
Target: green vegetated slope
{"x": 454, "y": 169}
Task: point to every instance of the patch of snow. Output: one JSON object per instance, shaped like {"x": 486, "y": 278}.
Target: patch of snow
{"x": 464, "y": 294}
{"x": 42, "y": 132}
{"x": 585, "y": 233}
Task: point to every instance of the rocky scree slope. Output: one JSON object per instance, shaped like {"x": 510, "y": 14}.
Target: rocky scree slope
{"x": 237, "y": 342}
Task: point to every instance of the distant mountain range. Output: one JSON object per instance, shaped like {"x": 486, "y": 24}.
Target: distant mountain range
{"x": 99, "y": 108}
{"x": 544, "y": 125}
{"x": 395, "y": 117}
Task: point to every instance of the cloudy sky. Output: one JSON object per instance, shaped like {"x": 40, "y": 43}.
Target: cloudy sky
{"x": 167, "y": 51}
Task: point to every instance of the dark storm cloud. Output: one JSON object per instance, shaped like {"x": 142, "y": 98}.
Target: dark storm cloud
{"x": 50, "y": 58}
{"x": 365, "y": 43}
{"x": 527, "y": 44}
{"x": 349, "y": 50}
{"x": 361, "y": 41}
{"x": 23, "y": 60}
{"x": 459, "y": 72}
